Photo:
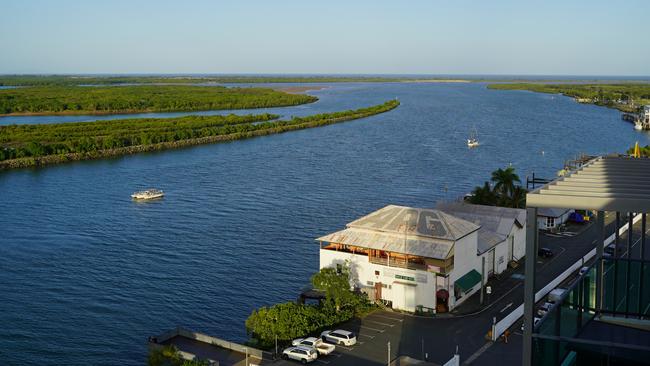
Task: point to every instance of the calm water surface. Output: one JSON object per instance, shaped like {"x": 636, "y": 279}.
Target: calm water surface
{"x": 86, "y": 275}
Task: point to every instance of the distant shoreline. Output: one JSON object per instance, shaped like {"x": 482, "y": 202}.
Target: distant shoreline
{"x": 299, "y": 89}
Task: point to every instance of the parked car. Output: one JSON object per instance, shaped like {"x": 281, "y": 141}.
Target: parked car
{"x": 535, "y": 321}
{"x": 577, "y": 218}
{"x": 544, "y": 308}
{"x": 321, "y": 347}
{"x": 339, "y": 336}
{"x": 583, "y": 270}
{"x": 300, "y": 353}
{"x": 555, "y": 295}
{"x": 609, "y": 250}
{"x": 545, "y": 252}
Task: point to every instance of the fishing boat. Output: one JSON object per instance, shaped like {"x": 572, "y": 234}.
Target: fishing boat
{"x": 472, "y": 141}
{"x": 638, "y": 125}
{"x": 148, "y": 194}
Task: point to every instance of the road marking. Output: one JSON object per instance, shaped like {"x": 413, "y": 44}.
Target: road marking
{"x": 347, "y": 348}
{"x": 505, "y": 308}
{"x": 476, "y": 354}
{"x": 387, "y": 317}
{"x": 375, "y": 329}
{"x": 365, "y": 335}
{"x": 380, "y": 323}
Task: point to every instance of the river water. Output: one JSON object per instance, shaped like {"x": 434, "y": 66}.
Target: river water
{"x": 86, "y": 275}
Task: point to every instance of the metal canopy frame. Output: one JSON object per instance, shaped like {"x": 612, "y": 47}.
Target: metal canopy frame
{"x": 613, "y": 183}
{"x": 610, "y": 183}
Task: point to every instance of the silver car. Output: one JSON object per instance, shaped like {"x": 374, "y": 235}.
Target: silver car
{"x": 300, "y": 353}
{"x": 339, "y": 336}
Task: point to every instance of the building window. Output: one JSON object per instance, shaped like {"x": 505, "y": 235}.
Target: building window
{"x": 550, "y": 222}
{"x": 370, "y": 283}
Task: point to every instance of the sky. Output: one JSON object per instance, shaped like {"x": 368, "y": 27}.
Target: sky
{"x": 496, "y": 37}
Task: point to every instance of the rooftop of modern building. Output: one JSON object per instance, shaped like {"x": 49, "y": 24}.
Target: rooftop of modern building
{"x": 609, "y": 183}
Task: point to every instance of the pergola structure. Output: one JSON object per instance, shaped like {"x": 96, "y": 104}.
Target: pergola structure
{"x": 611, "y": 183}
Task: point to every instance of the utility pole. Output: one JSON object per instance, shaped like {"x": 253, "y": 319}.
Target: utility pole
{"x": 246, "y": 349}
{"x": 388, "y": 363}
{"x": 482, "y": 277}
{"x": 423, "y": 359}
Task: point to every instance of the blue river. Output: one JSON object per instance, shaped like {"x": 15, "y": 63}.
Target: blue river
{"x": 86, "y": 275}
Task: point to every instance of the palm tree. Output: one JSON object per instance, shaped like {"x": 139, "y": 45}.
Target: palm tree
{"x": 483, "y": 195}
{"x": 504, "y": 181}
{"x": 518, "y": 199}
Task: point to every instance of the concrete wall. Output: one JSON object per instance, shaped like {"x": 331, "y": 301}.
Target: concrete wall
{"x": 362, "y": 271}
{"x": 519, "y": 235}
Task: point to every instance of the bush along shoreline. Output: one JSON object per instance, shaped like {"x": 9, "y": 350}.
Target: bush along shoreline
{"x": 24, "y": 146}
{"x": 287, "y": 321}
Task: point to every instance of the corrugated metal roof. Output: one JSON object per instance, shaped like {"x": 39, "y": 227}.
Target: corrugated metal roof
{"x": 552, "y": 212}
{"x": 423, "y": 232}
{"x": 392, "y": 242}
{"x": 415, "y": 221}
{"x": 496, "y": 222}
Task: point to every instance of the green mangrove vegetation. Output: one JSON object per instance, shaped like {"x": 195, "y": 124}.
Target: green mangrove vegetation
{"x": 69, "y": 80}
{"x": 627, "y": 97}
{"x": 140, "y": 98}
{"x": 32, "y": 145}
{"x": 290, "y": 320}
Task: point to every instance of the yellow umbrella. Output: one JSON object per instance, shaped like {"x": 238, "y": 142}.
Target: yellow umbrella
{"x": 637, "y": 150}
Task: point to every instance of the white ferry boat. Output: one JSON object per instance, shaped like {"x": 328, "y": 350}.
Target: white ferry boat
{"x": 148, "y": 194}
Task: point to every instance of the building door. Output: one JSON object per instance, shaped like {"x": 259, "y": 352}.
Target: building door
{"x": 378, "y": 291}
{"x": 403, "y": 296}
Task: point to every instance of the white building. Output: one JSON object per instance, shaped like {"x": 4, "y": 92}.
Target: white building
{"x": 551, "y": 218}
{"x": 408, "y": 257}
{"x": 502, "y": 233}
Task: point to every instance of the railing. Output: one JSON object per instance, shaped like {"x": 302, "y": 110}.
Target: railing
{"x": 397, "y": 262}
{"x": 623, "y": 295}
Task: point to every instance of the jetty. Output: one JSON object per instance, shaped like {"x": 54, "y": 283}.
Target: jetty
{"x": 641, "y": 120}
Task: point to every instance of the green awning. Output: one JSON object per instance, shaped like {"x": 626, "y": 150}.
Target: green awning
{"x": 468, "y": 281}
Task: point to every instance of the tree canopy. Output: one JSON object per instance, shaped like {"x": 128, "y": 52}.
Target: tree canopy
{"x": 288, "y": 321}
{"x": 506, "y": 192}
{"x": 32, "y": 141}
{"x": 140, "y": 98}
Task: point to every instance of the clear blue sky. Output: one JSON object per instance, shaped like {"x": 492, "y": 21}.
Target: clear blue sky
{"x": 551, "y": 37}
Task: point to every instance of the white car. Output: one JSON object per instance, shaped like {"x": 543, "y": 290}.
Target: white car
{"x": 339, "y": 336}
{"x": 321, "y": 347}
{"x": 544, "y": 309}
{"x": 300, "y": 353}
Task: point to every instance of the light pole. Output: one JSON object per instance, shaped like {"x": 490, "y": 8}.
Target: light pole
{"x": 388, "y": 363}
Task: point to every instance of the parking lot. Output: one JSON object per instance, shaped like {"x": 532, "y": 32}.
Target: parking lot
{"x": 373, "y": 334}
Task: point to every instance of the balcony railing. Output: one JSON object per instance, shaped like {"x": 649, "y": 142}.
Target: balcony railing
{"x": 398, "y": 262}
{"x": 624, "y": 295}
